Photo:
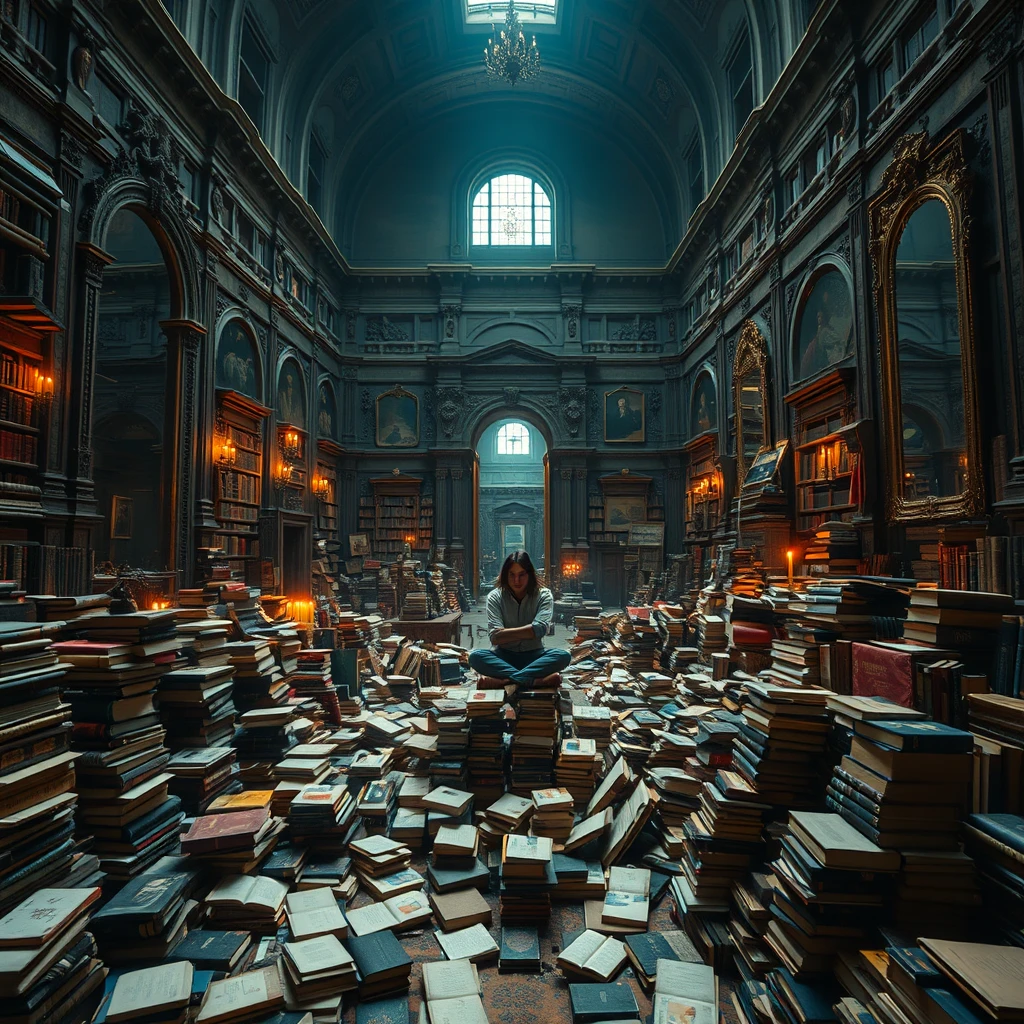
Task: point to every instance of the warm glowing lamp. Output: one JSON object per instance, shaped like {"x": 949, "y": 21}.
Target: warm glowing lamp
{"x": 789, "y": 561}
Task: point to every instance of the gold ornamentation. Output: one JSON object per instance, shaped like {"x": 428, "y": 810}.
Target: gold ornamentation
{"x": 751, "y": 356}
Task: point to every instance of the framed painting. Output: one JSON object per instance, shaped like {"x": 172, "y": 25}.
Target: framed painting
{"x": 765, "y": 465}
{"x": 237, "y": 362}
{"x": 624, "y": 416}
{"x": 291, "y": 401}
{"x": 359, "y": 544}
{"x": 824, "y": 323}
{"x": 326, "y": 411}
{"x": 621, "y": 511}
{"x": 122, "y": 517}
{"x": 704, "y": 409}
{"x": 398, "y": 419}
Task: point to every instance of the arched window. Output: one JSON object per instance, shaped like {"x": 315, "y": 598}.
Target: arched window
{"x": 512, "y": 209}
{"x": 513, "y": 439}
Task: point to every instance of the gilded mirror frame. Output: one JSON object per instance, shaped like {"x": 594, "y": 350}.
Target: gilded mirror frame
{"x": 918, "y": 173}
{"x": 751, "y": 355}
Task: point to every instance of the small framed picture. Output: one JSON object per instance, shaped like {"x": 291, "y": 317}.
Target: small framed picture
{"x": 359, "y": 544}
{"x": 624, "y": 415}
{"x": 122, "y": 517}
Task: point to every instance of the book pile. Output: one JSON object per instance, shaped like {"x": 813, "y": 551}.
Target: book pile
{"x": 221, "y": 952}
{"x": 200, "y": 775}
{"x": 447, "y": 806}
{"x": 527, "y": 878}
{"x": 782, "y": 744}
{"x": 320, "y": 971}
{"x": 711, "y": 635}
{"x": 678, "y": 793}
{"x": 997, "y": 722}
{"x": 37, "y": 774}
{"x": 509, "y": 813}
{"x": 383, "y": 965}
{"x": 146, "y": 919}
{"x": 715, "y": 734}
{"x": 322, "y": 819}
{"x": 996, "y": 842}
{"x": 834, "y": 548}
{"x": 312, "y": 678}
{"x": 252, "y": 903}
{"x": 967, "y": 621}
{"x": 486, "y": 755}
{"x": 833, "y": 888}
{"x": 456, "y": 847}
{"x": 234, "y": 841}
{"x": 197, "y": 708}
{"x": 796, "y": 659}
{"x": 50, "y": 964}
{"x": 552, "y": 814}
{"x": 376, "y": 855}
{"x": 259, "y": 682}
{"x": 576, "y": 768}
{"x": 263, "y": 737}
{"x": 905, "y": 785}
{"x": 452, "y": 993}
{"x": 593, "y": 722}
{"x": 533, "y": 741}
{"x": 377, "y": 801}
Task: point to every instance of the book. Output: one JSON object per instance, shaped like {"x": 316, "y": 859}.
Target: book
{"x": 992, "y": 976}
{"x": 519, "y": 950}
{"x": 323, "y": 955}
{"x": 230, "y": 830}
{"x": 244, "y": 996}
{"x": 460, "y": 909}
{"x": 685, "y": 993}
{"x": 382, "y": 1011}
{"x": 452, "y": 992}
{"x": 151, "y": 991}
{"x": 213, "y": 950}
{"x": 592, "y": 955}
{"x": 396, "y": 914}
{"x": 837, "y": 844}
{"x": 313, "y": 912}
{"x": 627, "y": 900}
{"x": 592, "y": 1002}
{"x": 383, "y": 964}
{"x": 917, "y": 735}
{"x": 647, "y": 948}
{"x": 36, "y": 920}
{"x": 473, "y": 943}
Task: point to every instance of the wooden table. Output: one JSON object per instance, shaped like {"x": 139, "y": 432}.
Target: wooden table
{"x": 444, "y": 629}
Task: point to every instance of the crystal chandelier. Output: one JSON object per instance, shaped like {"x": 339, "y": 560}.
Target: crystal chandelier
{"x": 511, "y": 57}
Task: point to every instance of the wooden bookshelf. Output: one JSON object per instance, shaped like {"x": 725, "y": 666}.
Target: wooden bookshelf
{"x": 396, "y": 516}
{"x": 238, "y": 462}
{"x": 703, "y": 486}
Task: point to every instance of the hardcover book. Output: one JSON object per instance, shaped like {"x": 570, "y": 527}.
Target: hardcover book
{"x": 599, "y": 1002}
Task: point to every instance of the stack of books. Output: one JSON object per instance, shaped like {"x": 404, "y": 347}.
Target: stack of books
{"x": 196, "y": 706}
{"x": 264, "y": 737}
{"x": 527, "y": 878}
{"x": 509, "y": 813}
{"x": 833, "y": 889}
{"x": 259, "y": 682}
{"x": 322, "y": 819}
{"x": 576, "y": 767}
{"x": 593, "y": 723}
{"x": 376, "y": 855}
{"x": 967, "y": 621}
{"x": 312, "y": 678}
{"x": 224, "y": 953}
{"x": 147, "y": 919}
{"x": 996, "y": 842}
{"x": 487, "y": 751}
{"x": 534, "y": 740}
{"x": 383, "y": 965}
{"x": 782, "y": 744}
{"x": 320, "y": 970}
{"x": 452, "y": 741}
{"x": 552, "y": 814}
{"x": 834, "y": 549}
{"x": 37, "y": 775}
{"x": 447, "y": 806}
{"x": 455, "y": 848}
{"x": 252, "y": 903}
{"x": 200, "y": 775}
{"x": 51, "y": 966}
{"x": 204, "y": 641}
{"x": 235, "y": 841}
{"x": 678, "y": 792}
{"x": 377, "y": 801}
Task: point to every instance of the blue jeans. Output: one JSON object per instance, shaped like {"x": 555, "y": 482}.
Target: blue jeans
{"x": 519, "y": 666}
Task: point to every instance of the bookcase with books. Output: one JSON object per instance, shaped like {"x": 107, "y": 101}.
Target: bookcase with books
{"x": 238, "y": 461}
{"x": 824, "y": 466}
{"x": 399, "y": 516}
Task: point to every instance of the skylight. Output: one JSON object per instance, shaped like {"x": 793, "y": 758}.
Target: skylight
{"x": 492, "y": 12}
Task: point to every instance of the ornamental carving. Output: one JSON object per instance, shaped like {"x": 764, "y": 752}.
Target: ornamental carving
{"x": 511, "y": 397}
{"x": 380, "y": 328}
{"x": 641, "y": 329}
{"x": 572, "y": 312}
{"x": 450, "y": 402}
{"x": 573, "y": 405}
{"x": 451, "y": 314}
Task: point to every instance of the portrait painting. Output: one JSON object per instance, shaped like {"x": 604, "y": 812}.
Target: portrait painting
{"x": 621, "y": 511}
{"x": 236, "y": 360}
{"x": 122, "y": 517}
{"x": 291, "y": 403}
{"x": 327, "y": 414}
{"x": 359, "y": 544}
{"x": 824, "y": 324}
{"x": 624, "y": 415}
{"x": 704, "y": 411}
{"x": 398, "y": 419}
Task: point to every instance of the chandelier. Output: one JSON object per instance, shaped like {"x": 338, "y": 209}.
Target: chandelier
{"x": 510, "y": 57}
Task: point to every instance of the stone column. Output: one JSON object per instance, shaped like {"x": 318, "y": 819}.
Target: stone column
{"x": 93, "y": 262}
{"x": 441, "y": 531}
{"x": 675, "y": 503}
{"x": 460, "y": 503}
{"x": 579, "y": 506}
{"x": 206, "y": 414}
{"x": 184, "y": 342}
{"x": 564, "y": 506}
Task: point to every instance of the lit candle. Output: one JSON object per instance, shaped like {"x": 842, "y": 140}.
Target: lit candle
{"x": 789, "y": 559}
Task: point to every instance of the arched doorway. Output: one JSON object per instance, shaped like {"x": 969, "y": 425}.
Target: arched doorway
{"x": 130, "y": 399}
{"x": 510, "y": 496}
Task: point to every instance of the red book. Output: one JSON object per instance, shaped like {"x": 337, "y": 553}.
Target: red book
{"x": 238, "y": 830}
{"x": 889, "y": 668}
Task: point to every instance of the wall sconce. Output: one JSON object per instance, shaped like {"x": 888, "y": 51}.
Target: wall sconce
{"x": 572, "y": 569}
{"x": 44, "y": 390}
{"x": 321, "y": 488}
{"x": 226, "y": 454}
{"x": 291, "y": 445}
{"x": 282, "y": 475}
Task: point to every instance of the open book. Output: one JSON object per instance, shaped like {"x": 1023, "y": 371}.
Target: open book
{"x": 248, "y": 891}
{"x": 685, "y": 993}
{"x": 313, "y": 912}
{"x": 451, "y": 991}
{"x": 395, "y": 914}
{"x": 627, "y": 900}
{"x": 593, "y": 955}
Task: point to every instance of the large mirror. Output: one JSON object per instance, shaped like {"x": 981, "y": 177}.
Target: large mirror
{"x": 750, "y": 397}
{"x": 923, "y": 292}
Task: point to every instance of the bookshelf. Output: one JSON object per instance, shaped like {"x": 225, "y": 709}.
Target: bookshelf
{"x": 396, "y": 514}
{"x": 703, "y": 486}
{"x": 823, "y": 464}
{"x": 238, "y": 462}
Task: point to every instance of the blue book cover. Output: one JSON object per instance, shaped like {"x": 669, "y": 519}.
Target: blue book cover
{"x": 915, "y": 962}
{"x": 953, "y": 1006}
{"x": 383, "y": 1011}
{"x": 922, "y": 737}
{"x": 1007, "y": 829}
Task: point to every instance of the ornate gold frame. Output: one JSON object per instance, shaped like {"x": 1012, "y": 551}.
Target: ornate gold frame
{"x": 920, "y": 172}
{"x": 751, "y": 354}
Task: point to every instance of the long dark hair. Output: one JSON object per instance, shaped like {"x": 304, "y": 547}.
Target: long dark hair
{"x": 522, "y": 559}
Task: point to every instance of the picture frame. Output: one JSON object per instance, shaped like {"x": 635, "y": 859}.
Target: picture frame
{"x": 238, "y": 364}
{"x": 359, "y": 544}
{"x": 397, "y": 419}
{"x": 647, "y": 535}
{"x": 122, "y": 517}
{"x": 291, "y": 398}
{"x": 765, "y": 465}
{"x": 327, "y": 411}
{"x": 621, "y": 511}
{"x": 824, "y": 322}
{"x": 624, "y": 416}
{"x": 704, "y": 405}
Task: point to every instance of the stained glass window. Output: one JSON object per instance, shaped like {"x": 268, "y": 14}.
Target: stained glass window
{"x": 513, "y": 439}
{"x": 512, "y": 209}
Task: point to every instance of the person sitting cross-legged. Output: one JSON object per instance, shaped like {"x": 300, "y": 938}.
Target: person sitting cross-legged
{"x": 519, "y": 612}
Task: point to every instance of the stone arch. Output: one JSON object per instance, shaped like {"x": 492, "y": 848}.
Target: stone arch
{"x": 495, "y": 410}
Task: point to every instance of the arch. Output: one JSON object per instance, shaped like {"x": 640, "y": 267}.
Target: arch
{"x": 168, "y": 228}
{"x": 228, "y": 370}
{"x": 326, "y": 408}
{"x": 290, "y": 401}
{"x": 523, "y": 331}
{"x": 495, "y": 410}
{"x": 823, "y": 264}
{"x": 703, "y": 404}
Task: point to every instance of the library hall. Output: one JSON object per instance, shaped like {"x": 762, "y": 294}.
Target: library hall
{"x": 512, "y": 511}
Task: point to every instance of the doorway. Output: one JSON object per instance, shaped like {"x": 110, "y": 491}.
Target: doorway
{"x": 511, "y": 511}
